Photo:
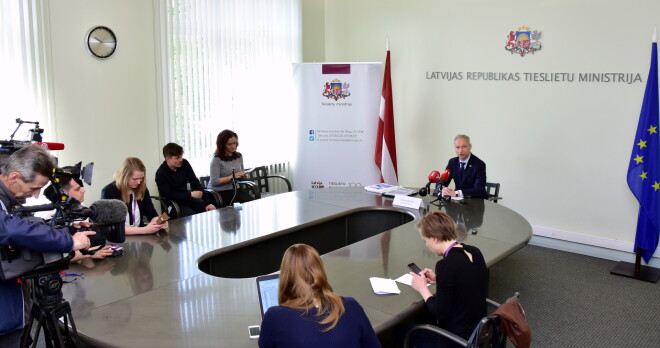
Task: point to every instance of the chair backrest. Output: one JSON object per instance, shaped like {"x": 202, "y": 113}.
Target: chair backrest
{"x": 204, "y": 180}
{"x": 487, "y": 334}
{"x": 260, "y": 177}
{"x": 493, "y": 190}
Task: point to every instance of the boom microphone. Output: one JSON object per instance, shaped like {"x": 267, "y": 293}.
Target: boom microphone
{"x": 109, "y": 216}
{"x": 434, "y": 176}
{"x": 108, "y": 211}
{"x": 51, "y": 146}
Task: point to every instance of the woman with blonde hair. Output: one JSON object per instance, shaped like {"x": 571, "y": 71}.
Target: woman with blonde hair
{"x": 310, "y": 314}
{"x": 129, "y": 187}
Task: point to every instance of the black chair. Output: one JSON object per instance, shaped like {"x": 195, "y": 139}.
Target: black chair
{"x": 213, "y": 196}
{"x": 487, "y": 334}
{"x": 165, "y": 204}
{"x": 258, "y": 182}
{"x": 493, "y": 190}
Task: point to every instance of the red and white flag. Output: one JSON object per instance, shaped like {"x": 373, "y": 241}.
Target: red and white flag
{"x": 385, "y": 142}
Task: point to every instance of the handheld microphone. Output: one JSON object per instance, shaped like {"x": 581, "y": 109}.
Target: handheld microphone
{"x": 445, "y": 176}
{"x": 51, "y": 146}
{"x": 442, "y": 180}
{"x": 434, "y": 176}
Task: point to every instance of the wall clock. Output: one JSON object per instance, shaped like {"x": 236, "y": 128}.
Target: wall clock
{"x": 101, "y": 42}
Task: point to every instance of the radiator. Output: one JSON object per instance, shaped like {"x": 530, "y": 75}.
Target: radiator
{"x": 278, "y": 185}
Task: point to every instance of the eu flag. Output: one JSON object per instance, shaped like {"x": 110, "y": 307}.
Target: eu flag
{"x": 644, "y": 166}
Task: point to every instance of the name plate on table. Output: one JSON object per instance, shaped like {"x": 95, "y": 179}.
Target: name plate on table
{"x": 407, "y": 202}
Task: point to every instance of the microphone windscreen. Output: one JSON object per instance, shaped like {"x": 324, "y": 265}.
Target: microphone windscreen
{"x": 445, "y": 175}
{"x": 109, "y": 211}
{"x": 434, "y": 176}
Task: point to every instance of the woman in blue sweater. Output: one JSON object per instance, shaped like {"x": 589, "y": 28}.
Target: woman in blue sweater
{"x": 310, "y": 314}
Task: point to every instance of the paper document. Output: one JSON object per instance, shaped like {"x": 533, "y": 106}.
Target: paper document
{"x": 400, "y": 191}
{"x": 405, "y": 279}
{"x": 384, "y": 286}
{"x": 380, "y": 188}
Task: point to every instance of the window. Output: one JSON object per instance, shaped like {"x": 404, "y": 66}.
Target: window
{"x": 226, "y": 64}
{"x": 23, "y": 86}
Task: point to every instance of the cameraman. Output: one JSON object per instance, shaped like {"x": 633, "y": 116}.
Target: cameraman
{"x": 23, "y": 176}
{"x": 74, "y": 188}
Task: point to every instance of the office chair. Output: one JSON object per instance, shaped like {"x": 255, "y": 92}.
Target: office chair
{"x": 259, "y": 180}
{"x": 487, "y": 334}
{"x": 493, "y": 190}
{"x": 165, "y": 205}
{"x": 213, "y": 196}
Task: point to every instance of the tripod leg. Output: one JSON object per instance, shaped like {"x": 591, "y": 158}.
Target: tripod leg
{"x": 27, "y": 339}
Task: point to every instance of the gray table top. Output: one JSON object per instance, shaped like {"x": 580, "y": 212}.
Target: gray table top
{"x": 155, "y": 294}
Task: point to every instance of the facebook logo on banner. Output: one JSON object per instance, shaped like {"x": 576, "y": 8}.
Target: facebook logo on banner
{"x": 311, "y": 131}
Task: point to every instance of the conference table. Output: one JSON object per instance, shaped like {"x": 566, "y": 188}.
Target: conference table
{"x": 194, "y": 283}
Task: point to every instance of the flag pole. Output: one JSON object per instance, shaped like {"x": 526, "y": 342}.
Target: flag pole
{"x": 636, "y": 270}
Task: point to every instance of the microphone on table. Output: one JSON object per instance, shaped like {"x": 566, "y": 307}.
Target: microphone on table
{"x": 442, "y": 180}
{"x": 434, "y": 176}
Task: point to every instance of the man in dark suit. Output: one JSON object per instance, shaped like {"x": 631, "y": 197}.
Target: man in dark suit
{"x": 467, "y": 171}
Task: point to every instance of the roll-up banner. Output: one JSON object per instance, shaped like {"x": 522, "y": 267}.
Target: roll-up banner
{"x": 338, "y": 106}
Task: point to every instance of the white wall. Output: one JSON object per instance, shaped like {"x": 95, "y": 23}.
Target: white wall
{"x": 105, "y": 110}
{"x": 560, "y": 150}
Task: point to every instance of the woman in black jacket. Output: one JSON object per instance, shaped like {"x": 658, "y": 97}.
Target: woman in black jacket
{"x": 129, "y": 187}
{"x": 461, "y": 277}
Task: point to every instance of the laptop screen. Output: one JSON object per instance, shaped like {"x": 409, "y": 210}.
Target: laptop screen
{"x": 267, "y": 286}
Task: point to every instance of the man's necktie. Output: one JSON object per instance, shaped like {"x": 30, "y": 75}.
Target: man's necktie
{"x": 462, "y": 167}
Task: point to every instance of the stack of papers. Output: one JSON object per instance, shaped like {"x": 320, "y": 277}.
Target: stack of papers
{"x": 389, "y": 190}
{"x": 383, "y": 286}
{"x": 380, "y": 188}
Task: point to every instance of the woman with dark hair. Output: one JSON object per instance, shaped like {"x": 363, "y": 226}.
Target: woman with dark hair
{"x": 461, "y": 279}
{"x": 310, "y": 314}
{"x": 129, "y": 187}
{"x": 227, "y": 165}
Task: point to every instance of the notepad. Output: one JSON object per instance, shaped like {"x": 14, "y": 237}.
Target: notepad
{"x": 382, "y": 286}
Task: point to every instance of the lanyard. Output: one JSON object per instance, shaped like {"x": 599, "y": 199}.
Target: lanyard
{"x": 451, "y": 246}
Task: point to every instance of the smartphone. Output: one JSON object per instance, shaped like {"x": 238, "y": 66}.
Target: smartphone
{"x": 254, "y": 331}
{"x": 117, "y": 250}
{"x": 413, "y": 267}
{"x": 162, "y": 218}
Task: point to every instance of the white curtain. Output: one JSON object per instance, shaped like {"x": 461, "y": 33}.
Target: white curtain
{"x": 226, "y": 64}
{"x": 24, "y": 88}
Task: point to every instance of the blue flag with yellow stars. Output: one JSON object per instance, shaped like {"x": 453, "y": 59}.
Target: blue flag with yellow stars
{"x": 644, "y": 166}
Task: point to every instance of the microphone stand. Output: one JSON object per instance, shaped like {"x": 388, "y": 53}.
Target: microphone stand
{"x": 440, "y": 200}
{"x": 233, "y": 182}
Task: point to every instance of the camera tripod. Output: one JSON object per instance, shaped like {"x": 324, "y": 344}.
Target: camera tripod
{"x": 48, "y": 308}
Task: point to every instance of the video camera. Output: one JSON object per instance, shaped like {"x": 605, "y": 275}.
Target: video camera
{"x": 108, "y": 217}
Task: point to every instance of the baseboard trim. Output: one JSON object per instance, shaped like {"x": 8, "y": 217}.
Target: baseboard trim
{"x": 604, "y": 248}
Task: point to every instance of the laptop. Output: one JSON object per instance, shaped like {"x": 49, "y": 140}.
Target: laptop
{"x": 267, "y": 289}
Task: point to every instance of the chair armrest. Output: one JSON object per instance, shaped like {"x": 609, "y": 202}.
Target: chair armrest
{"x": 288, "y": 183}
{"x": 165, "y": 203}
{"x": 250, "y": 186}
{"x": 492, "y": 303}
{"x": 215, "y": 198}
{"x": 442, "y": 332}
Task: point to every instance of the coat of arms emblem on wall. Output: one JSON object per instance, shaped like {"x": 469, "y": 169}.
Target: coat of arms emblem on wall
{"x": 523, "y": 41}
